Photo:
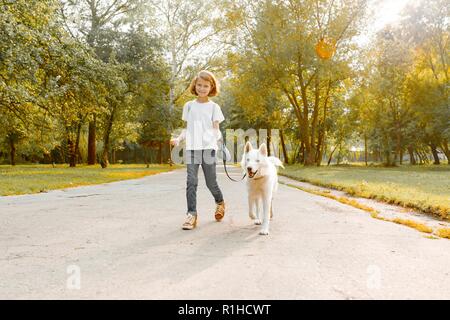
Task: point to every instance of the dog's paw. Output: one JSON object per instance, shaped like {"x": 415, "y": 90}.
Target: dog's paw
{"x": 252, "y": 215}
{"x": 264, "y": 232}
{"x": 257, "y": 222}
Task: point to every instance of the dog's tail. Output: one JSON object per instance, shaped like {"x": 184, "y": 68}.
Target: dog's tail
{"x": 276, "y": 161}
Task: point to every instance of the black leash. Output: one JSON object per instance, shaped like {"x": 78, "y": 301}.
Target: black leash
{"x": 225, "y": 166}
{"x": 224, "y": 157}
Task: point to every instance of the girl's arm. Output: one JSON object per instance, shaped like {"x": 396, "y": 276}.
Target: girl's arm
{"x": 180, "y": 138}
{"x": 217, "y": 133}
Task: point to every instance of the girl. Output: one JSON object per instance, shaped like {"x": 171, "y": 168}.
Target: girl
{"x": 201, "y": 134}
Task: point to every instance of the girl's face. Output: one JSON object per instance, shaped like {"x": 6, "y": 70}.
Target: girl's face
{"x": 202, "y": 87}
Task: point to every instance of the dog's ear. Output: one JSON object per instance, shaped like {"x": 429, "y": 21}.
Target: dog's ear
{"x": 263, "y": 149}
{"x": 248, "y": 147}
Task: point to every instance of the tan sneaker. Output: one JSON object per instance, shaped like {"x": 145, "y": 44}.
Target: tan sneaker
{"x": 190, "y": 223}
{"x": 220, "y": 211}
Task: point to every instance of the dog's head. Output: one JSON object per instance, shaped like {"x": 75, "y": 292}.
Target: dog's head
{"x": 254, "y": 161}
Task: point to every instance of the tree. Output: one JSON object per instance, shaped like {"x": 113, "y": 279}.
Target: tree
{"x": 427, "y": 30}
{"x": 294, "y": 68}
{"x": 93, "y": 21}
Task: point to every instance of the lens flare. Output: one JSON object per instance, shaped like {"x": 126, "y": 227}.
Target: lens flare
{"x": 325, "y": 48}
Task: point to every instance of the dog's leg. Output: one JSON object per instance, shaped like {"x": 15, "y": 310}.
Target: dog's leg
{"x": 251, "y": 207}
{"x": 274, "y": 190}
{"x": 267, "y": 199}
{"x": 258, "y": 211}
{"x": 271, "y": 208}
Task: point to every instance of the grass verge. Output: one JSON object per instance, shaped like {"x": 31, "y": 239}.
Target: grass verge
{"x": 25, "y": 179}
{"x": 423, "y": 188}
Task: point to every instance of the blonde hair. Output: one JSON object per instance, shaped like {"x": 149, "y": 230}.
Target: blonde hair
{"x": 207, "y": 76}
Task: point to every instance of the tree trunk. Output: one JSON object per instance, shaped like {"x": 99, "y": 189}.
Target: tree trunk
{"x": 79, "y": 157}
{"x": 62, "y": 154}
{"x": 435, "y": 153}
{"x": 308, "y": 156}
{"x": 160, "y": 152}
{"x": 320, "y": 153}
{"x": 422, "y": 157}
{"x": 388, "y": 152}
{"x": 106, "y": 143}
{"x": 365, "y": 149}
{"x": 401, "y": 155}
{"x": 12, "y": 152}
{"x": 388, "y": 162}
{"x": 418, "y": 156}
{"x": 91, "y": 142}
{"x": 319, "y": 147}
{"x": 398, "y": 147}
{"x": 167, "y": 150}
{"x": 146, "y": 157}
{"x": 331, "y": 155}
{"x": 170, "y": 153}
{"x": 412, "y": 159}
{"x": 72, "y": 152}
{"x": 269, "y": 139}
{"x": 302, "y": 153}
{"x": 77, "y": 144}
{"x": 446, "y": 151}
{"x": 338, "y": 161}
{"x": 312, "y": 153}
{"x": 283, "y": 146}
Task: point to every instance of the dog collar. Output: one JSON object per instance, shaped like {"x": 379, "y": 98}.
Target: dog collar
{"x": 258, "y": 178}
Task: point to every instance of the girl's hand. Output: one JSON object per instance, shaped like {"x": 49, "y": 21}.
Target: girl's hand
{"x": 174, "y": 142}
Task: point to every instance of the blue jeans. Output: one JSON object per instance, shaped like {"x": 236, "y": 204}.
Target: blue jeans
{"x": 207, "y": 159}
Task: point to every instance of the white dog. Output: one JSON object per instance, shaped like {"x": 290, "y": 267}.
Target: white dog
{"x": 262, "y": 183}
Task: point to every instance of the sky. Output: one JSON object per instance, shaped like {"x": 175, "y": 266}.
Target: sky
{"x": 384, "y": 12}
{"x": 388, "y": 12}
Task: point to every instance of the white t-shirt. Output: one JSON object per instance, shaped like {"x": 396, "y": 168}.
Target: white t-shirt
{"x": 200, "y": 117}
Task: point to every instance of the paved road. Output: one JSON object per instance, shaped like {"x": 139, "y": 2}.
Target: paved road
{"x": 124, "y": 240}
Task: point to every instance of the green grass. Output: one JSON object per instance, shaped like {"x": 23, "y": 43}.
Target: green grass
{"x": 24, "y": 179}
{"x": 425, "y": 188}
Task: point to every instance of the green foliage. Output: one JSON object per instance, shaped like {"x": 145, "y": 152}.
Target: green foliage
{"x": 277, "y": 59}
{"x": 124, "y": 64}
